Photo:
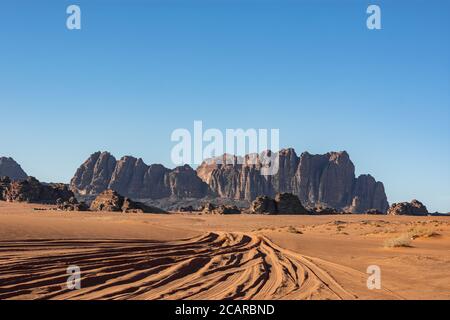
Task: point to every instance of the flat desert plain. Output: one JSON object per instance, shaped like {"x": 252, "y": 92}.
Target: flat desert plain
{"x": 188, "y": 256}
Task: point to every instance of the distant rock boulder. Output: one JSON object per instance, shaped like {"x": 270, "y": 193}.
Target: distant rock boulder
{"x": 321, "y": 209}
{"x": 4, "y": 184}
{"x": 224, "y": 209}
{"x": 288, "y": 203}
{"x": 32, "y": 191}
{"x": 263, "y": 205}
{"x": 413, "y": 208}
{"x": 284, "y": 203}
{"x": 373, "y": 211}
{"x": 210, "y": 208}
{"x": 187, "y": 209}
{"x": 110, "y": 200}
{"x": 10, "y": 168}
{"x": 71, "y": 205}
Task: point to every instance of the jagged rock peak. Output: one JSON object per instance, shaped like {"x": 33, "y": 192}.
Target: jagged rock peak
{"x": 11, "y": 169}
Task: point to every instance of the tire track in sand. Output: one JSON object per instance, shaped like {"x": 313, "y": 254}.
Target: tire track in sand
{"x": 216, "y": 265}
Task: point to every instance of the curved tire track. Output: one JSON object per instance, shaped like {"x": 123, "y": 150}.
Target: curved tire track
{"x": 216, "y": 265}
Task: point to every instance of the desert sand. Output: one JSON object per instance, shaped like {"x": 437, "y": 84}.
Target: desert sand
{"x": 189, "y": 256}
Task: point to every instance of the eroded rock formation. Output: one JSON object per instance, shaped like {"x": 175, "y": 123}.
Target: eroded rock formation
{"x": 131, "y": 177}
{"x": 284, "y": 203}
{"x": 211, "y": 208}
{"x": 264, "y": 205}
{"x": 32, "y": 191}
{"x": 112, "y": 201}
{"x": 414, "y": 208}
{"x": 287, "y": 203}
{"x": 71, "y": 205}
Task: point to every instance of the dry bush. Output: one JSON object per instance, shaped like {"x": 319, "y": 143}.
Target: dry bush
{"x": 403, "y": 240}
{"x": 415, "y": 233}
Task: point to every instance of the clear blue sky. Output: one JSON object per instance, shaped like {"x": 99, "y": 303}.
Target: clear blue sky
{"x": 140, "y": 69}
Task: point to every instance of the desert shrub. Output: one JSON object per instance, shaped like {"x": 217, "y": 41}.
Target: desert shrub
{"x": 415, "y": 233}
{"x": 403, "y": 240}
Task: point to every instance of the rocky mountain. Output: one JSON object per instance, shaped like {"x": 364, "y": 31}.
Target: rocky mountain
{"x": 327, "y": 180}
{"x": 10, "y": 168}
{"x": 132, "y": 178}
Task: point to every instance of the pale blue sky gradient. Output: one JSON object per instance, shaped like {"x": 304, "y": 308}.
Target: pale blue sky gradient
{"x": 140, "y": 69}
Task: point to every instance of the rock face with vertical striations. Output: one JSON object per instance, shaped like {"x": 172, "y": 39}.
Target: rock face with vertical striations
{"x": 368, "y": 195}
{"x": 11, "y": 169}
{"x": 326, "y": 180}
{"x": 132, "y": 178}
{"x": 94, "y": 175}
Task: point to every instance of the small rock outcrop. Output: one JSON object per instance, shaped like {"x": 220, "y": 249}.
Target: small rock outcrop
{"x": 4, "y": 184}
{"x": 210, "y": 208}
{"x": 110, "y": 200}
{"x": 284, "y": 203}
{"x": 32, "y": 191}
{"x": 413, "y": 208}
{"x": 287, "y": 203}
{"x": 187, "y": 209}
{"x": 264, "y": 205}
{"x": 373, "y": 211}
{"x": 320, "y": 209}
{"x": 71, "y": 205}
{"x": 224, "y": 209}
{"x": 11, "y": 169}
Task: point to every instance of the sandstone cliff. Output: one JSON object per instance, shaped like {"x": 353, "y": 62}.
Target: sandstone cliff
{"x": 132, "y": 178}
{"x": 326, "y": 180}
